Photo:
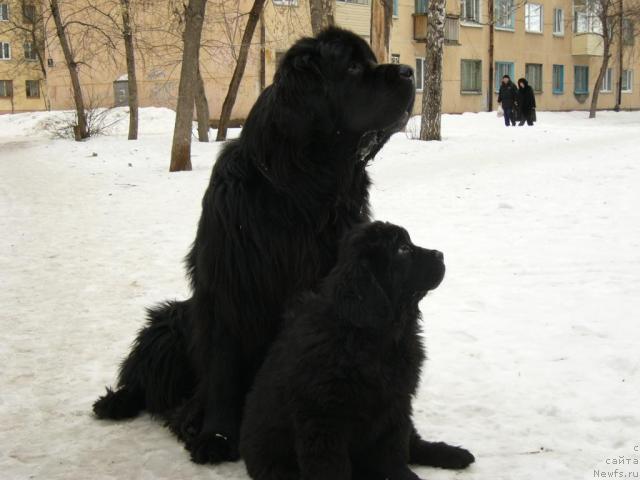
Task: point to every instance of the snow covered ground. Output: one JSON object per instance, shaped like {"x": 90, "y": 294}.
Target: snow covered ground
{"x": 533, "y": 337}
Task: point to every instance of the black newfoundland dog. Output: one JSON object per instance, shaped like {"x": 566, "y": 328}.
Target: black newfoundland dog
{"x": 279, "y": 200}
{"x": 332, "y": 399}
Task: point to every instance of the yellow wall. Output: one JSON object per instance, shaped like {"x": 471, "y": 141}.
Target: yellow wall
{"x": 18, "y": 69}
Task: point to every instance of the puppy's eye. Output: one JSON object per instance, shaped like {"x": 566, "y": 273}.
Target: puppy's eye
{"x": 404, "y": 249}
{"x": 354, "y": 67}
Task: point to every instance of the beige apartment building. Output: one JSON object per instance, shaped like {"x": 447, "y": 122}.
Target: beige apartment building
{"x": 21, "y": 85}
{"x": 555, "y": 44}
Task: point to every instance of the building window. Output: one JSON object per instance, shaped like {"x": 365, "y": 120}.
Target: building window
{"x": 606, "y": 81}
{"x": 358, "y": 2}
{"x": 471, "y": 76}
{"x": 470, "y": 11}
{"x": 6, "y": 88}
{"x": 627, "y": 81}
{"x": 30, "y": 52}
{"x": 558, "y": 79}
{"x": 29, "y": 12}
{"x": 286, "y": 3}
{"x": 585, "y": 17}
{"x": 32, "y": 88}
{"x": 5, "y": 51}
{"x": 279, "y": 57}
{"x": 581, "y": 74}
{"x": 533, "y": 19}
{"x": 505, "y": 14}
{"x": 419, "y": 73}
{"x": 395, "y": 58}
{"x": 558, "y": 21}
{"x": 502, "y": 69}
{"x": 451, "y": 29}
{"x": 533, "y": 74}
{"x": 421, "y": 6}
{"x": 4, "y": 12}
{"x": 395, "y": 8}
{"x": 627, "y": 32}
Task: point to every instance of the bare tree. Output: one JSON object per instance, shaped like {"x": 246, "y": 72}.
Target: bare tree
{"x": 130, "y": 55}
{"x": 607, "y": 19}
{"x": 202, "y": 109}
{"x": 81, "y": 130}
{"x": 181, "y": 149}
{"x": 322, "y": 14}
{"x": 381, "y": 20}
{"x": 430, "y": 128}
{"x": 238, "y": 72}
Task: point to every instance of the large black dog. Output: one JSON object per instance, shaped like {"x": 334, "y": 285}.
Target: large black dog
{"x": 279, "y": 200}
{"x": 332, "y": 399}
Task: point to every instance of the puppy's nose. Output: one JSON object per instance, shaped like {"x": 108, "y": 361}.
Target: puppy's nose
{"x": 405, "y": 71}
{"x": 439, "y": 255}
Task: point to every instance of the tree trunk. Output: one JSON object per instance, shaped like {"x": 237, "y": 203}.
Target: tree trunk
{"x": 432, "y": 92}
{"x": 603, "y": 70}
{"x": 620, "y": 57}
{"x": 202, "y": 109}
{"x": 322, "y": 14}
{"x": 263, "y": 53}
{"x": 381, "y": 19}
{"x": 80, "y": 131}
{"x": 491, "y": 56}
{"x": 181, "y": 147}
{"x": 238, "y": 72}
{"x": 131, "y": 69}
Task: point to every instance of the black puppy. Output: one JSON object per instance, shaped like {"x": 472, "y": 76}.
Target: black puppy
{"x": 333, "y": 398}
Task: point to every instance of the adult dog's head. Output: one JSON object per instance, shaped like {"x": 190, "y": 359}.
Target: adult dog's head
{"x": 336, "y": 78}
{"x": 329, "y": 93}
{"x": 382, "y": 274}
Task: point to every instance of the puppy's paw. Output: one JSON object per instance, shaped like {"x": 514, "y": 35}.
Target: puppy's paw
{"x": 212, "y": 448}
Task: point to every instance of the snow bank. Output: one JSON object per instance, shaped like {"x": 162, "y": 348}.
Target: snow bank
{"x": 532, "y": 337}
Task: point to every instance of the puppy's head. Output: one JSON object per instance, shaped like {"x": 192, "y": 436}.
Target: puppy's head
{"x": 334, "y": 82}
{"x": 384, "y": 273}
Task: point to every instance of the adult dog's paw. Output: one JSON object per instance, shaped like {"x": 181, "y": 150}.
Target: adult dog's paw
{"x": 454, "y": 458}
{"x": 212, "y": 448}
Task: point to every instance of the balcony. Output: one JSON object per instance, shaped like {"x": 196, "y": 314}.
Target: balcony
{"x": 587, "y": 44}
{"x": 451, "y": 28}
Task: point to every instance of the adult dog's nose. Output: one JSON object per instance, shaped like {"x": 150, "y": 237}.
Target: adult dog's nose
{"x": 405, "y": 71}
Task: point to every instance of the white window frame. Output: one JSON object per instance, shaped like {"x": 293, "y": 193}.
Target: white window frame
{"x": 3, "y": 49}
{"x": 4, "y": 7}
{"x": 420, "y": 77}
{"x": 286, "y": 3}
{"x": 585, "y": 18}
{"x": 511, "y": 27}
{"x": 607, "y": 81}
{"x": 476, "y": 20}
{"x": 527, "y": 15}
{"x": 558, "y": 22}
{"x": 354, "y": 2}
{"x": 629, "y": 78}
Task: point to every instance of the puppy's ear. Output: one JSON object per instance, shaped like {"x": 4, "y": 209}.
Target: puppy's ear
{"x": 360, "y": 298}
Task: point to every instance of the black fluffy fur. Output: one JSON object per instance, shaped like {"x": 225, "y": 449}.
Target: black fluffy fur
{"x": 279, "y": 200}
{"x": 333, "y": 397}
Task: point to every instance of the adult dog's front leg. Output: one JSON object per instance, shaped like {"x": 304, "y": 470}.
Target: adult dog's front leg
{"x": 438, "y": 454}
{"x": 219, "y": 395}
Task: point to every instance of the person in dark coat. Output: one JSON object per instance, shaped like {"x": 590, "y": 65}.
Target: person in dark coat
{"x": 526, "y": 103}
{"x": 508, "y": 98}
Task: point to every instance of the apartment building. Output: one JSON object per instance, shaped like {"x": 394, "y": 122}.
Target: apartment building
{"x": 21, "y": 85}
{"x": 555, "y": 44}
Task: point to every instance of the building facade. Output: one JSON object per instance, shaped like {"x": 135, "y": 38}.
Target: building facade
{"x": 21, "y": 73}
{"x": 555, "y": 44}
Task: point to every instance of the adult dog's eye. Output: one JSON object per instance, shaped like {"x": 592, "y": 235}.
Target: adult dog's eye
{"x": 404, "y": 249}
{"x": 354, "y": 67}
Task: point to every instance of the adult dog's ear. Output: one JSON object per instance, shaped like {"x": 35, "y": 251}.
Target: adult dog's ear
{"x": 299, "y": 91}
{"x": 360, "y": 298}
